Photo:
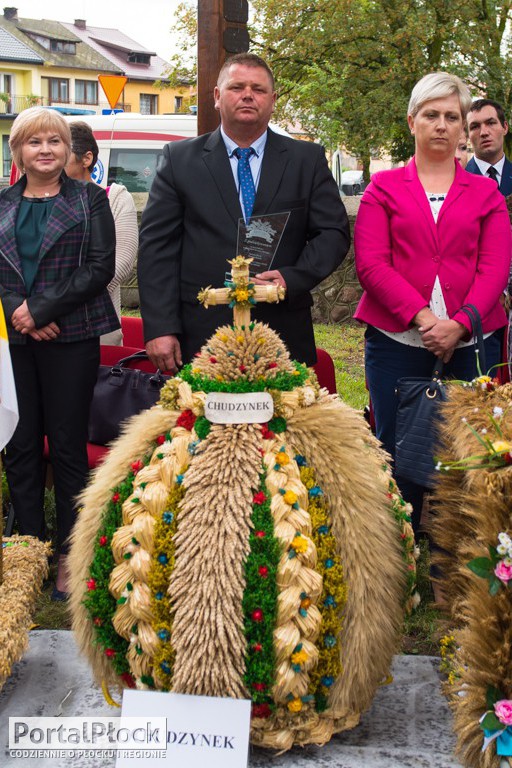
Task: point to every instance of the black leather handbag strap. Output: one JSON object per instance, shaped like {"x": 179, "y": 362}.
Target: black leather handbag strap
{"x": 476, "y": 326}
{"x": 436, "y": 378}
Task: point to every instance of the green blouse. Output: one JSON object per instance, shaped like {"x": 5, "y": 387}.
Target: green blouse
{"x": 30, "y": 227}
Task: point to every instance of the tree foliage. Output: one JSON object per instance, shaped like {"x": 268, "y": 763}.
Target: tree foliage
{"x": 346, "y": 68}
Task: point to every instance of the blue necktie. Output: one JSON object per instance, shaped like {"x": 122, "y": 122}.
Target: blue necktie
{"x": 245, "y": 179}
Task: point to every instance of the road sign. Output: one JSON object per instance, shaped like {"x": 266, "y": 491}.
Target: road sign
{"x": 113, "y": 87}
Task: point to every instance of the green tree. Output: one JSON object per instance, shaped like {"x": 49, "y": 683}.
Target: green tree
{"x": 346, "y": 68}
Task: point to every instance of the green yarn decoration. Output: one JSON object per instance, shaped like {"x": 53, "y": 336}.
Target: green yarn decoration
{"x": 202, "y": 427}
{"x": 99, "y": 603}
{"x": 277, "y": 425}
{"x": 261, "y": 594}
{"x": 282, "y": 381}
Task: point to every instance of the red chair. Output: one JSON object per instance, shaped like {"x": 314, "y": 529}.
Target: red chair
{"x": 324, "y": 369}
{"x": 133, "y": 334}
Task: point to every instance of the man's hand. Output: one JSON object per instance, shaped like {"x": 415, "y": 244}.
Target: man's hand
{"x": 46, "y": 333}
{"x": 273, "y": 276}
{"x": 21, "y": 319}
{"x": 165, "y": 353}
{"x": 442, "y": 338}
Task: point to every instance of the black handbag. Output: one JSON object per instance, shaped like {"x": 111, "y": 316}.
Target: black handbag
{"x": 417, "y": 416}
{"x": 119, "y": 393}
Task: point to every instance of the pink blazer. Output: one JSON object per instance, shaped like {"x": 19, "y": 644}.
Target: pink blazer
{"x": 400, "y": 250}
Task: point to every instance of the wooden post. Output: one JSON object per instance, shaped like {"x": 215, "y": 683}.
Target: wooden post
{"x": 221, "y": 32}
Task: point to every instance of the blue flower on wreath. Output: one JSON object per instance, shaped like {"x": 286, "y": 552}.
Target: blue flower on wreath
{"x": 163, "y": 634}
{"x": 315, "y": 491}
{"x": 162, "y": 558}
{"x": 329, "y": 641}
{"x": 168, "y": 517}
{"x": 301, "y": 461}
{"x": 323, "y": 530}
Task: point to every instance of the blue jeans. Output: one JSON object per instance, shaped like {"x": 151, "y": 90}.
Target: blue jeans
{"x": 386, "y": 361}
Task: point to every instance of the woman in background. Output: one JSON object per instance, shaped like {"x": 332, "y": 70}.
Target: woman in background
{"x": 429, "y": 238}
{"x": 84, "y": 154}
{"x": 57, "y": 244}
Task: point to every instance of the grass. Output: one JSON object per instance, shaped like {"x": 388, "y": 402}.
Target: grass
{"x": 345, "y": 344}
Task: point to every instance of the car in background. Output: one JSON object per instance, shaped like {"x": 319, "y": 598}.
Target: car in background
{"x": 352, "y": 183}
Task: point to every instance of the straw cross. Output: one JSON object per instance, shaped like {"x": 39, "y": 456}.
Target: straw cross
{"x": 240, "y": 293}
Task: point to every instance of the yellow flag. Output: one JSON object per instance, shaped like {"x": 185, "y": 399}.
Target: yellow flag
{"x": 8, "y": 402}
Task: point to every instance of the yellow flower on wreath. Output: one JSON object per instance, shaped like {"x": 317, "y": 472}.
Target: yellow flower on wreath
{"x": 295, "y": 705}
{"x": 241, "y": 294}
{"x": 290, "y": 497}
{"x": 300, "y": 657}
{"x": 502, "y": 446}
{"x": 300, "y": 543}
{"x": 282, "y": 459}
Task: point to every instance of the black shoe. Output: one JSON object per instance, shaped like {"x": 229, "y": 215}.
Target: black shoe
{"x": 58, "y": 596}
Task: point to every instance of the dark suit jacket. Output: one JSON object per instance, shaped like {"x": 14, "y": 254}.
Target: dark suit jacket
{"x": 506, "y": 176}
{"x": 190, "y": 225}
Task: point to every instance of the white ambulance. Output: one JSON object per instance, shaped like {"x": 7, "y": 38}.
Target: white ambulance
{"x": 131, "y": 145}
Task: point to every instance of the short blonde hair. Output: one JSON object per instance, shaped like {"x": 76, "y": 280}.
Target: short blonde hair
{"x": 34, "y": 120}
{"x": 439, "y": 85}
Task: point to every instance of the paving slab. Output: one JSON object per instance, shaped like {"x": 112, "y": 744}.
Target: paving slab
{"x": 407, "y": 726}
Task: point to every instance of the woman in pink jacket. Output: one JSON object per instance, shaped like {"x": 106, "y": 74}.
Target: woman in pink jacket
{"x": 429, "y": 238}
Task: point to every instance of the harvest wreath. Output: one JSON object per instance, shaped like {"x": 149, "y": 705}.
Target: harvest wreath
{"x": 230, "y": 559}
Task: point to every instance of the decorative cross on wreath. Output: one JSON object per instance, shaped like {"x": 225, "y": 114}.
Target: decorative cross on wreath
{"x": 240, "y": 293}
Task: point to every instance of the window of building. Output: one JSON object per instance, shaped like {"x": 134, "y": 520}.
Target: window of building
{"x": 178, "y": 103}
{"x": 148, "y": 104}
{"x": 139, "y": 58}
{"x": 86, "y": 92}
{"x": 6, "y": 156}
{"x": 62, "y": 46}
{"x": 55, "y": 89}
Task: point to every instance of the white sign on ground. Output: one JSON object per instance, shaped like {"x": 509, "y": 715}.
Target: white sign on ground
{"x": 201, "y": 730}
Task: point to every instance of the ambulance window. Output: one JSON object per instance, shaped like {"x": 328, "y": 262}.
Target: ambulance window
{"x": 135, "y": 168}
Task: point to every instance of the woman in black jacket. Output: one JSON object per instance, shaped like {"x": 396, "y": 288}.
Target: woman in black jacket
{"x": 57, "y": 249}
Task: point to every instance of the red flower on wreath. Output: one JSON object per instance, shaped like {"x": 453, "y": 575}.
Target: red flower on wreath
{"x": 160, "y": 439}
{"x": 242, "y": 368}
{"x": 213, "y": 359}
{"x": 91, "y": 585}
{"x": 137, "y": 465}
{"x": 259, "y": 498}
{"x": 261, "y": 710}
{"x": 263, "y": 571}
{"x": 272, "y": 365}
{"x": 110, "y": 653}
{"x": 260, "y": 534}
{"x": 266, "y": 433}
{"x": 187, "y": 419}
{"x": 128, "y": 679}
{"x": 102, "y": 541}
{"x": 97, "y": 621}
{"x": 259, "y": 686}
{"x": 257, "y": 615}
{"x": 257, "y": 647}
{"x": 115, "y": 498}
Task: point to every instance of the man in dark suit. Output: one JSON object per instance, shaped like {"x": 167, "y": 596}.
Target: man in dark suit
{"x": 487, "y": 130}
{"x": 190, "y": 226}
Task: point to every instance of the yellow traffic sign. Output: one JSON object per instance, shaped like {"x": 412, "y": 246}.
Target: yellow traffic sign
{"x": 113, "y": 87}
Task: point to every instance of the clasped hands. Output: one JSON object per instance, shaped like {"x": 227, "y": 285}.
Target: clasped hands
{"x": 439, "y": 336}
{"x": 23, "y": 322}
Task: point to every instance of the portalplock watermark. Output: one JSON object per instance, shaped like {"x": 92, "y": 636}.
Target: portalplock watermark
{"x": 80, "y": 735}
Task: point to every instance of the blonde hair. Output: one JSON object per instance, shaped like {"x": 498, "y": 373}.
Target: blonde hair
{"x": 439, "y": 85}
{"x": 34, "y": 120}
